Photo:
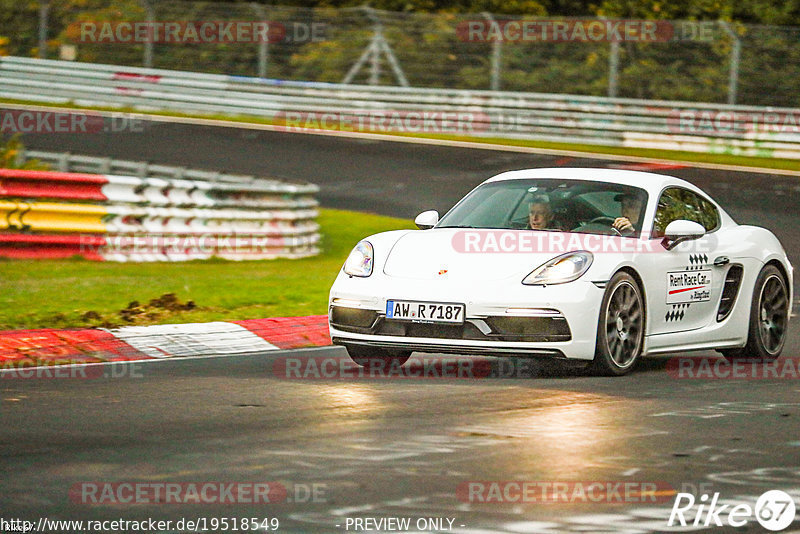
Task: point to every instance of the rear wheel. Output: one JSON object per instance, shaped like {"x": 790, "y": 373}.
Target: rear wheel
{"x": 769, "y": 318}
{"x": 620, "y": 328}
{"x": 377, "y": 358}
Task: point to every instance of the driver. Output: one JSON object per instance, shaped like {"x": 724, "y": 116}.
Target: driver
{"x": 631, "y": 208}
{"x": 540, "y": 215}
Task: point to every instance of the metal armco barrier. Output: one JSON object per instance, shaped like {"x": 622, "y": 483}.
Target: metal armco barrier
{"x": 741, "y": 130}
{"x": 47, "y": 246}
{"x": 79, "y": 163}
{"x": 52, "y": 217}
{"x": 49, "y": 214}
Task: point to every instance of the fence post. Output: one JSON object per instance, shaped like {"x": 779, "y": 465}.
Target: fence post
{"x": 736, "y": 51}
{"x": 44, "y": 11}
{"x": 148, "y": 44}
{"x": 263, "y": 47}
{"x": 613, "y": 68}
{"x": 497, "y": 50}
{"x": 375, "y": 63}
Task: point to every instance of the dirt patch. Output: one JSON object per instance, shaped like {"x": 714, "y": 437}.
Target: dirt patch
{"x": 136, "y": 313}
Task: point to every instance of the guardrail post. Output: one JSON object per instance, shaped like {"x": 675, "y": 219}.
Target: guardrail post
{"x": 497, "y": 50}
{"x": 736, "y": 51}
{"x": 263, "y": 46}
{"x": 148, "y": 44}
{"x": 63, "y": 162}
{"x": 44, "y": 11}
{"x": 21, "y": 157}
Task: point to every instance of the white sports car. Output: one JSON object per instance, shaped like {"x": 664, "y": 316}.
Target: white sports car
{"x": 599, "y": 265}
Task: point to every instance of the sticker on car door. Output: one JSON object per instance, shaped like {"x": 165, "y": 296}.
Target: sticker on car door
{"x": 688, "y": 286}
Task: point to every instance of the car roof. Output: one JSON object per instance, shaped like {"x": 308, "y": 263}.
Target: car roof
{"x": 649, "y": 181}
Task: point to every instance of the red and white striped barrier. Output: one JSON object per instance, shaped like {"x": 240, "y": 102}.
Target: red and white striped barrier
{"x": 157, "y": 191}
{"x": 51, "y": 346}
{"x": 46, "y": 214}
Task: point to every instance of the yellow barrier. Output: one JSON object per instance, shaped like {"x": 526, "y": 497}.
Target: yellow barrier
{"x": 7, "y": 211}
{"x": 53, "y": 217}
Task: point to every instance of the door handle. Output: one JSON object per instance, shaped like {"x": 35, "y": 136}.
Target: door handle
{"x": 721, "y": 260}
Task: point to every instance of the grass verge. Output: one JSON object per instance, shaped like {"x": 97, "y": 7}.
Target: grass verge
{"x": 672, "y": 155}
{"x": 77, "y": 293}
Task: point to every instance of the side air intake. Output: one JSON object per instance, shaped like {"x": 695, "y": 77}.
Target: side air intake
{"x": 729, "y": 291}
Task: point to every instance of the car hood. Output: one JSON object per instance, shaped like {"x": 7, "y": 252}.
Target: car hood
{"x": 461, "y": 254}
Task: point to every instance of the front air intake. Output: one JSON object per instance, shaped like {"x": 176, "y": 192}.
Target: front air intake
{"x": 353, "y": 319}
{"x": 730, "y": 290}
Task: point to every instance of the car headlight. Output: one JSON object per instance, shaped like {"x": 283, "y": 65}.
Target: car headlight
{"x": 561, "y": 269}
{"x": 360, "y": 260}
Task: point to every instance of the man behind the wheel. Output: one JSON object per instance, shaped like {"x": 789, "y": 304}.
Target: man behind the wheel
{"x": 631, "y": 209}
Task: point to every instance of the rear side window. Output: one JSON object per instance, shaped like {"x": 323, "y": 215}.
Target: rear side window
{"x": 677, "y": 203}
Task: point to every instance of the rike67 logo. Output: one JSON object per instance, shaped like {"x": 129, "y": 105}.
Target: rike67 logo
{"x": 774, "y": 510}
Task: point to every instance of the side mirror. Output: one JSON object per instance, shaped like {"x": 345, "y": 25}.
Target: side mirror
{"x": 681, "y": 230}
{"x": 427, "y": 219}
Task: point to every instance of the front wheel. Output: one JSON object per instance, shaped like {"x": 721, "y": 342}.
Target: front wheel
{"x": 377, "y": 358}
{"x": 769, "y": 318}
{"x": 620, "y": 328}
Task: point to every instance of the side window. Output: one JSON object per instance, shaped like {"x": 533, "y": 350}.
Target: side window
{"x": 676, "y": 203}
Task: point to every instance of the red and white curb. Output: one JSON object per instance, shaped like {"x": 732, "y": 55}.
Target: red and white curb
{"x": 194, "y": 339}
{"x": 52, "y": 346}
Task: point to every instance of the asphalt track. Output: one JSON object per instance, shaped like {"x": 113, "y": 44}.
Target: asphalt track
{"x": 389, "y": 447}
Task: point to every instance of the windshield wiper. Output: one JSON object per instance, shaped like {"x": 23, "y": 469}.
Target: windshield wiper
{"x": 457, "y": 226}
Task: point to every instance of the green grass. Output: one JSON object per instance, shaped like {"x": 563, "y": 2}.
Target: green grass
{"x": 651, "y": 153}
{"x": 73, "y": 293}
{"x": 673, "y": 155}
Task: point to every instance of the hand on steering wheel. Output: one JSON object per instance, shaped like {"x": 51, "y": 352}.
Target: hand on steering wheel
{"x": 606, "y": 220}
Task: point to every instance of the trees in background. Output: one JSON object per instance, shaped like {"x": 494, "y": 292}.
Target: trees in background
{"x": 423, "y": 36}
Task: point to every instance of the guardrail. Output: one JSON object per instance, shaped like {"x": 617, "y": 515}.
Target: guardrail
{"x": 78, "y": 163}
{"x": 47, "y": 214}
{"x": 741, "y": 130}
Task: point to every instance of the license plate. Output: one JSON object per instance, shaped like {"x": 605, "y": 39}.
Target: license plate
{"x": 425, "y": 312}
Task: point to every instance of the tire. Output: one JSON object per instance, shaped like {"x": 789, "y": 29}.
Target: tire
{"x": 620, "y": 327}
{"x": 377, "y": 358}
{"x": 769, "y": 318}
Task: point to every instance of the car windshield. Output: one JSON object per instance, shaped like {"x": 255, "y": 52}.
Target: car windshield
{"x": 549, "y": 204}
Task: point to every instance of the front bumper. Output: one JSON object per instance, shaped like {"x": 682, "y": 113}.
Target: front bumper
{"x": 501, "y": 318}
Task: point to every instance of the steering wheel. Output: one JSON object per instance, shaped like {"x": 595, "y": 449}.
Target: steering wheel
{"x": 518, "y": 224}
{"x": 604, "y": 219}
